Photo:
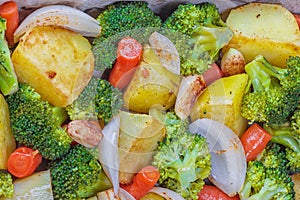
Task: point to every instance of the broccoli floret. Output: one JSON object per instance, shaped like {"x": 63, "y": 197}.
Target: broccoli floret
{"x": 37, "y": 124}
{"x": 292, "y": 157}
{"x": 122, "y": 16}
{"x": 273, "y": 93}
{"x": 108, "y": 100}
{"x": 78, "y": 174}
{"x": 286, "y": 135}
{"x": 6, "y": 184}
{"x": 84, "y": 106}
{"x": 134, "y": 19}
{"x": 255, "y": 174}
{"x": 183, "y": 159}
{"x": 273, "y": 156}
{"x": 205, "y": 32}
{"x": 8, "y": 83}
{"x": 295, "y": 120}
{"x": 266, "y": 183}
{"x": 99, "y": 100}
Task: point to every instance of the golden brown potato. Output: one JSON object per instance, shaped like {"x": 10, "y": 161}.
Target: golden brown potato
{"x": 152, "y": 84}
{"x": 57, "y": 62}
{"x": 138, "y": 139}
{"x": 264, "y": 29}
{"x": 221, "y": 101}
{"x": 7, "y": 140}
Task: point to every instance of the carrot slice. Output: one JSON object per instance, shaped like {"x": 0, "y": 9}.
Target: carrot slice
{"x": 213, "y": 193}
{"x": 143, "y": 181}
{"x": 23, "y": 162}
{"x": 10, "y": 12}
{"x": 129, "y": 54}
{"x": 255, "y": 140}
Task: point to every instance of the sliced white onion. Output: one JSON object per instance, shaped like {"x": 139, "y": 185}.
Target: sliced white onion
{"x": 108, "y": 152}
{"x": 190, "y": 88}
{"x": 227, "y": 155}
{"x": 166, "y": 193}
{"x": 110, "y": 195}
{"x": 60, "y": 15}
{"x": 166, "y": 52}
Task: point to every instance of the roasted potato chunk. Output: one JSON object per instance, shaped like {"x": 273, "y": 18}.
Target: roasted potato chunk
{"x": 152, "y": 84}
{"x": 264, "y": 29}
{"x": 138, "y": 139}
{"x": 56, "y": 62}
{"x": 221, "y": 101}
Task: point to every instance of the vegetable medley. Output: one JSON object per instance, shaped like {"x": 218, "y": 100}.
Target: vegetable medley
{"x": 129, "y": 105}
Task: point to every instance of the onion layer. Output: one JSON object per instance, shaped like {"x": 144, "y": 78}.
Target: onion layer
{"x": 108, "y": 152}
{"x": 60, "y": 15}
{"x": 227, "y": 155}
{"x": 189, "y": 90}
{"x": 166, "y": 52}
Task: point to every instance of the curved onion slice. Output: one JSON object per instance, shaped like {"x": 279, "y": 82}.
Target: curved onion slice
{"x": 166, "y": 52}
{"x": 227, "y": 155}
{"x": 190, "y": 88}
{"x": 108, "y": 152}
{"x": 110, "y": 195}
{"x": 63, "y": 16}
{"x": 166, "y": 193}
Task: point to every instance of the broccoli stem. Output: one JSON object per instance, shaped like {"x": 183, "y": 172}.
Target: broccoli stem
{"x": 263, "y": 74}
{"x": 287, "y": 141}
{"x": 8, "y": 78}
{"x": 268, "y": 191}
{"x": 61, "y": 115}
{"x": 284, "y": 135}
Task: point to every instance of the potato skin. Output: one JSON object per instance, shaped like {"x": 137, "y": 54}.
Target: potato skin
{"x": 221, "y": 101}
{"x": 57, "y": 62}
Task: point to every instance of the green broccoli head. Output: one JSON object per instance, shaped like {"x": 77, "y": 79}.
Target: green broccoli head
{"x": 108, "y": 100}
{"x": 273, "y": 156}
{"x": 290, "y": 75}
{"x": 78, "y": 174}
{"x": 273, "y": 93}
{"x": 37, "y": 124}
{"x": 295, "y": 120}
{"x": 124, "y": 16}
{"x": 84, "y": 106}
{"x": 292, "y": 157}
{"x": 99, "y": 100}
{"x": 6, "y": 184}
{"x": 256, "y": 172}
{"x": 283, "y": 182}
{"x": 183, "y": 159}
{"x": 266, "y": 183}
{"x": 201, "y": 33}
{"x": 134, "y": 19}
